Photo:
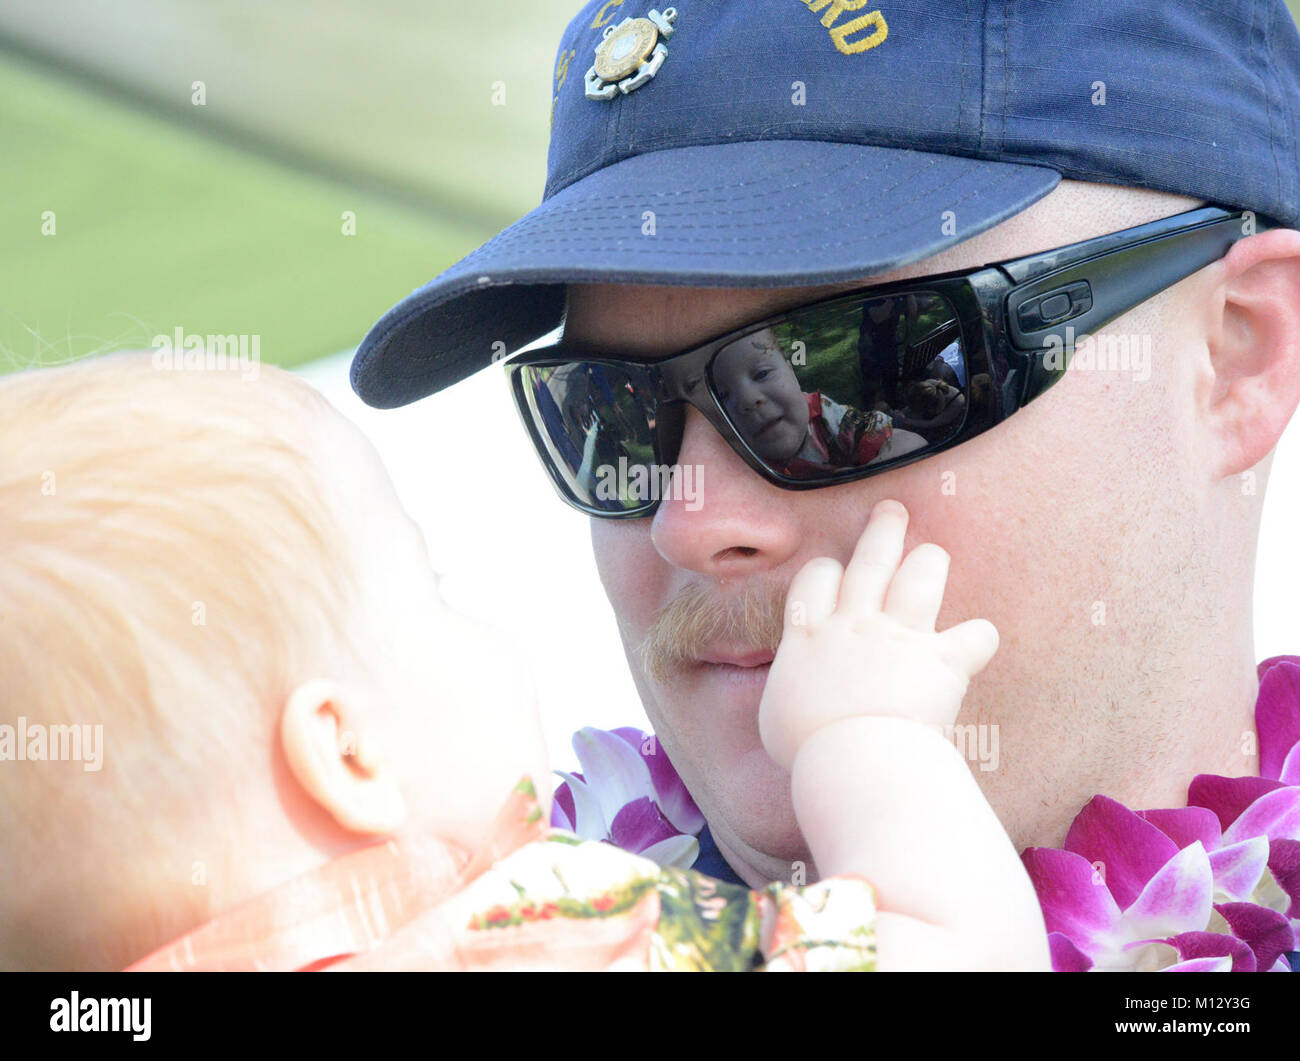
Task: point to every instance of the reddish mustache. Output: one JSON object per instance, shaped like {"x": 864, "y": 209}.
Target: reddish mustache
{"x": 697, "y": 618}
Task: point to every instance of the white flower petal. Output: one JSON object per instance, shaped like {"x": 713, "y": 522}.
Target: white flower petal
{"x": 678, "y": 851}
{"x": 616, "y": 775}
{"x": 590, "y": 824}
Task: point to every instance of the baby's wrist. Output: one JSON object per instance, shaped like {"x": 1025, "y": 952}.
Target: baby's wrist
{"x": 847, "y": 735}
{"x": 931, "y": 715}
{"x": 856, "y": 780}
{"x": 786, "y": 726}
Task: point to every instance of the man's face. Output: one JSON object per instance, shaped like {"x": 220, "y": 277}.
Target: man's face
{"x": 1090, "y": 494}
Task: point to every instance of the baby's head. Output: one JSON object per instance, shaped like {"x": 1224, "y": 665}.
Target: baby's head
{"x": 760, "y": 391}
{"x": 215, "y": 577}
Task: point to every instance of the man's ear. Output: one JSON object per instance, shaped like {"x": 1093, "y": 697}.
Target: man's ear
{"x": 1254, "y": 346}
{"x": 336, "y": 762}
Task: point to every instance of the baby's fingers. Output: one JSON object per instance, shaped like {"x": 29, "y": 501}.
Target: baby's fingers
{"x": 970, "y": 645}
{"x": 813, "y": 592}
{"x": 875, "y": 559}
{"x": 916, "y": 593}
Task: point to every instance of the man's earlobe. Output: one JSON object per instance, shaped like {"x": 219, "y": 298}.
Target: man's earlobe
{"x": 336, "y": 762}
{"x": 1254, "y": 346}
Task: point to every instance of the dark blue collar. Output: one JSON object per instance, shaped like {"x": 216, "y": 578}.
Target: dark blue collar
{"x": 711, "y": 863}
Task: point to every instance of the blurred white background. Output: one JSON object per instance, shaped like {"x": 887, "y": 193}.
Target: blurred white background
{"x": 529, "y": 571}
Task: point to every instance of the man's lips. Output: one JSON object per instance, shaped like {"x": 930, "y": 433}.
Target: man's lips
{"x": 736, "y": 675}
{"x": 736, "y": 657}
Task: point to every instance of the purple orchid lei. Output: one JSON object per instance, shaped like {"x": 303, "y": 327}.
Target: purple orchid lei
{"x": 628, "y": 795}
{"x": 1213, "y": 886}
{"x": 1210, "y": 887}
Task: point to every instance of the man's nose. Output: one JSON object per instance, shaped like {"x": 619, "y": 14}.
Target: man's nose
{"x": 736, "y": 523}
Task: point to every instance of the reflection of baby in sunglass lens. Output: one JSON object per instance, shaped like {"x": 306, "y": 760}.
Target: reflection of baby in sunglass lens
{"x": 763, "y": 399}
{"x": 797, "y": 432}
{"x": 310, "y": 762}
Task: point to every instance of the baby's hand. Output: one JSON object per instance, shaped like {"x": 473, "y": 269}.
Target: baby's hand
{"x": 861, "y": 641}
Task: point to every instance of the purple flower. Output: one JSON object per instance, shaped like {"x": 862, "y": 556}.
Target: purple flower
{"x": 1214, "y": 885}
{"x": 628, "y": 795}
{"x": 1277, "y": 719}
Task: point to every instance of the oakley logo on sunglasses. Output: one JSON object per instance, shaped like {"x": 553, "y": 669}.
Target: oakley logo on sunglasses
{"x": 637, "y": 484}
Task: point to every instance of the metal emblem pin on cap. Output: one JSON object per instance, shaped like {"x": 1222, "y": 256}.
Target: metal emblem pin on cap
{"x": 630, "y": 54}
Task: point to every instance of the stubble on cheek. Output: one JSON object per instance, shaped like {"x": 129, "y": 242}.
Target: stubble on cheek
{"x": 632, "y": 574}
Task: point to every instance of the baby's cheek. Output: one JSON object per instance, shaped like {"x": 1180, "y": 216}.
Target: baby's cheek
{"x": 483, "y": 735}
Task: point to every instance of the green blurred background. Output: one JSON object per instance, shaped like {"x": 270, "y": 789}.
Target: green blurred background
{"x": 228, "y": 217}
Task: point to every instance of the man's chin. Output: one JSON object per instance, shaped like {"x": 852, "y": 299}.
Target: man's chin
{"x": 753, "y": 801}
{"x": 742, "y": 792}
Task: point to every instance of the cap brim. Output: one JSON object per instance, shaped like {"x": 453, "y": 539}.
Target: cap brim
{"x": 764, "y": 213}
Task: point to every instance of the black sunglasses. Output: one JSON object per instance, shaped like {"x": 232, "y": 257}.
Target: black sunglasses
{"x": 853, "y": 385}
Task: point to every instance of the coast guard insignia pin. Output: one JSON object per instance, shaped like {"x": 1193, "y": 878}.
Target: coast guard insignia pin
{"x": 630, "y": 54}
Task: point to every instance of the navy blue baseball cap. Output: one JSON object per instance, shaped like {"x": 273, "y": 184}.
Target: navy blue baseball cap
{"x": 782, "y": 143}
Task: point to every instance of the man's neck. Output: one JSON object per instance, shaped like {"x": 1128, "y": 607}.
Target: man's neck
{"x": 1198, "y": 719}
{"x": 1226, "y": 743}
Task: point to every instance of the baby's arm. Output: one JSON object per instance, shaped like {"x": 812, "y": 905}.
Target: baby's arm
{"x": 854, "y": 707}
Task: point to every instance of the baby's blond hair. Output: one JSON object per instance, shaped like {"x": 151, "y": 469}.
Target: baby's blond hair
{"x": 170, "y": 562}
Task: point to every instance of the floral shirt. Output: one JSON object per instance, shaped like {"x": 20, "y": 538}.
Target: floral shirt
{"x": 531, "y": 898}
{"x": 565, "y": 903}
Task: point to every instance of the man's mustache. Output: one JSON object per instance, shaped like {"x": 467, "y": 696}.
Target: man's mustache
{"x": 698, "y": 618}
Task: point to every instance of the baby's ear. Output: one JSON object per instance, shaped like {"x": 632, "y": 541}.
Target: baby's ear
{"x": 335, "y": 759}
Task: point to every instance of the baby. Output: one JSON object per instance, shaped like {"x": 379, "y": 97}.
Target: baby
{"x": 796, "y": 431}
{"x": 219, "y": 574}
{"x": 309, "y": 762}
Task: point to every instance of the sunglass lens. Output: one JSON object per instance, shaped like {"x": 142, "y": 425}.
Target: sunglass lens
{"x": 834, "y": 388}
{"x": 597, "y": 425}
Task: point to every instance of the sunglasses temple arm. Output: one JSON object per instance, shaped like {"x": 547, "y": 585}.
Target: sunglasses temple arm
{"x": 1103, "y": 288}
